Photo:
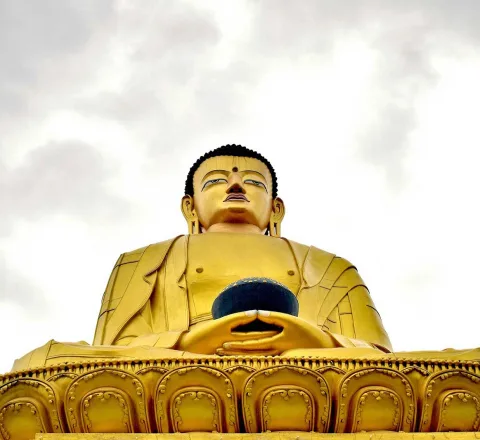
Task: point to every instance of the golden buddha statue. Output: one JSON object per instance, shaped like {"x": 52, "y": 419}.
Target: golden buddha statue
{"x": 161, "y": 295}
{"x": 160, "y": 362}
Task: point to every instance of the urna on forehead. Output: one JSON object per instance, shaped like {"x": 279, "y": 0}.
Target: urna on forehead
{"x": 232, "y": 163}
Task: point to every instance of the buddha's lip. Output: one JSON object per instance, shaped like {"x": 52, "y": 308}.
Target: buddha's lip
{"x": 236, "y": 197}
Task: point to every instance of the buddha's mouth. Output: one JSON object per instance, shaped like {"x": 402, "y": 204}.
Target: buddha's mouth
{"x": 236, "y": 197}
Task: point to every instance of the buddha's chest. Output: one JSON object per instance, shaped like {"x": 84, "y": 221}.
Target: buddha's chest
{"x": 217, "y": 260}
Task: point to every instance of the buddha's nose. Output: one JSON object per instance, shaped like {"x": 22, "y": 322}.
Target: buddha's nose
{"x": 235, "y": 184}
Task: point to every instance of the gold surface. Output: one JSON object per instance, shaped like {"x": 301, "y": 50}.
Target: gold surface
{"x": 159, "y": 361}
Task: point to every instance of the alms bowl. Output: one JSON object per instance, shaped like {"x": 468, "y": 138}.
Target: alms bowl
{"x": 255, "y": 294}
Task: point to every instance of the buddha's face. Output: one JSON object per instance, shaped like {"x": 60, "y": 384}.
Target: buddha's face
{"x": 230, "y": 189}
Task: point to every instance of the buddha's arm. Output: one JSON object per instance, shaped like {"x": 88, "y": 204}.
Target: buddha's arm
{"x": 125, "y": 284}
{"x": 355, "y": 322}
{"x": 355, "y": 316}
{"x": 120, "y": 277}
{"x": 348, "y": 313}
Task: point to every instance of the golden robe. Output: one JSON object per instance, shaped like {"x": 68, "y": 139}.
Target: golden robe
{"x": 147, "y": 302}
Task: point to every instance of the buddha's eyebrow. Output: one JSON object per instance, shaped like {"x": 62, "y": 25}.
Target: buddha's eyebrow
{"x": 253, "y": 171}
{"x": 224, "y": 172}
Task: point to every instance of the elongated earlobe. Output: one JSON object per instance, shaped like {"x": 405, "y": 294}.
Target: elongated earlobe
{"x": 278, "y": 212}
{"x": 190, "y": 215}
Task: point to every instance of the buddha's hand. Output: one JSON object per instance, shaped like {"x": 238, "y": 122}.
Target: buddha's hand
{"x": 296, "y": 333}
{"x": 210, "y": 336}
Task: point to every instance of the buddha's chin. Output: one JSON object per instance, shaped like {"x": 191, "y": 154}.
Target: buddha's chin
{"x": 236, "y": 214}
{"x": 237, "y": 209}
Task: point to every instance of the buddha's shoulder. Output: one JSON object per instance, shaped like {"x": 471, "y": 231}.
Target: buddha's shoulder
{"x": 320, "y": 258}
{"x": 159, "y": 248}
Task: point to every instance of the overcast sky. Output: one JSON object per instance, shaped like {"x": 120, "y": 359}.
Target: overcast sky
{"x": 368, "y": 110}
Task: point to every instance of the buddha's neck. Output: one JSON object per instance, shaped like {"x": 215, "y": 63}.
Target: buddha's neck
{"x": 235, "y": 228}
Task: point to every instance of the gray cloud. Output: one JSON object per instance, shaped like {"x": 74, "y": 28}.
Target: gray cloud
{"x": 50, "y": 54}
{"x": 405, "y": 36}
{"x": 16, "y": 289}
{"x": 69, "y": 178}
{"x": 54, "y": 49}
{"x": 288, "y": 29}
{"x": 404, "y": 73}
{"x": 169, "y": 63}
{"x": 42, "y": 46}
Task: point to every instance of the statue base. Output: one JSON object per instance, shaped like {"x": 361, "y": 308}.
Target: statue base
{"x": 245, "y": 398}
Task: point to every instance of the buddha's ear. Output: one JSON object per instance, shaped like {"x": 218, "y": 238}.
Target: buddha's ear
{"x": 190, "y": 215}
{"x": 276, "y": 217}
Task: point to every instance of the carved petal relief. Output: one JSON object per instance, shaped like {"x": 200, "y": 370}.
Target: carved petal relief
{"x": 196, "y": 409}
{"x": 196, "y": 398}
{"x": 28, "y": 406}
{"x": 107, "y": 410}
{"x": 376, "y": 409}
{"x": 287, "y": 409}
{"x": 22, "y": 419}
{"x": 460, "y": 411}
{"x": 286, "y": 398}
{"x": 451, "y": 402}
{"x": 106, "y": 400}
{"x": 375, "y": 399}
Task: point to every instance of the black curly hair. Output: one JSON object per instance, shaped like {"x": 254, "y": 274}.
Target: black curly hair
{"x": 230, "y": 150}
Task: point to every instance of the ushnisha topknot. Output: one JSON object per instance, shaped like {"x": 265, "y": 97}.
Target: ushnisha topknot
{"x": 230, "y": 150}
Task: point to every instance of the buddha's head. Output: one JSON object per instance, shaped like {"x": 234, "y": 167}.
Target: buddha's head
{"x": 232, "y": 185}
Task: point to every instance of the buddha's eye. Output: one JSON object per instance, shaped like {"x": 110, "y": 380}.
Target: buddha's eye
{"x": 256, "y": 183}
{"x": 213, "y": 182}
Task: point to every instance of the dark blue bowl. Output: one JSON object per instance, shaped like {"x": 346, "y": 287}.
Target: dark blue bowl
{"x": 255, "y": 294}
